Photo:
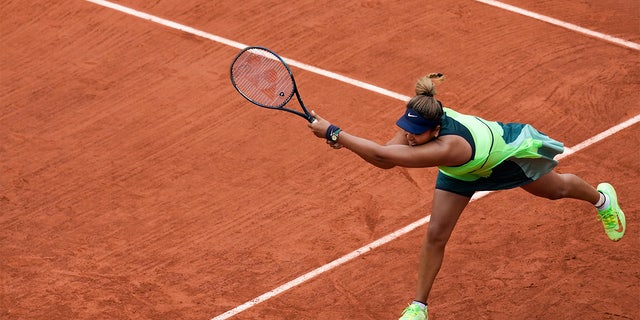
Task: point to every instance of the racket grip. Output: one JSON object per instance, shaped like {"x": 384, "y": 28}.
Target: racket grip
{"x": 311, "y": 119}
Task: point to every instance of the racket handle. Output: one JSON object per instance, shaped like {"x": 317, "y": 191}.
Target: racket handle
{"x": 311, "y": 119}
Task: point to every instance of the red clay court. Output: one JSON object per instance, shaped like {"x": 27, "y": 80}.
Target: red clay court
{"x": 136, "y": 183}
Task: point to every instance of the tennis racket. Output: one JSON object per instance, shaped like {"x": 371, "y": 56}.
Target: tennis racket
{"x": 262, "y": 77}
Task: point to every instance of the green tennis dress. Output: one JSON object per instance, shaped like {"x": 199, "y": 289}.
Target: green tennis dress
{"x": 504, "y": 155}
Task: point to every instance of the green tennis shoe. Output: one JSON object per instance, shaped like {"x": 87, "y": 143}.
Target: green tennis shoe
{"x": 413, "y": 312}
{"x": 612, "y": 217}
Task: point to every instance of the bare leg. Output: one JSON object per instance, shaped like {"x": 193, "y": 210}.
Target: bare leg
{"x": 557, "y": 186}
{"x": 447, "y": 208}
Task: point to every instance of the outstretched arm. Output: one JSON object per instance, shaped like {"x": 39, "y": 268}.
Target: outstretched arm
{"x": 394, "y": 153}
{"x": 367, "y": 150}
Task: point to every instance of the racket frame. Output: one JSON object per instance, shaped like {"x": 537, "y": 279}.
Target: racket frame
{"x": 305, "y": 114}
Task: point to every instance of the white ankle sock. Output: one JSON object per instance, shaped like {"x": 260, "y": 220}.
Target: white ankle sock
{"x": 603, "y": 202}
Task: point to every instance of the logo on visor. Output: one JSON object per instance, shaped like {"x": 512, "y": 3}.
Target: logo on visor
{"x": 411, "y": 115}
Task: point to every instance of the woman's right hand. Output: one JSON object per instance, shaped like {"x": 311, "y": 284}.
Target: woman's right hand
{"x": 319, "y": 126}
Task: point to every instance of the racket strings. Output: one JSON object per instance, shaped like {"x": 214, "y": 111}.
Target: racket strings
{"x": 262, "y": 78}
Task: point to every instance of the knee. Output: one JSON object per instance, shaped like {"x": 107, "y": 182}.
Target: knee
{"x": 561, "y": 190}
{"x": 437, "y": 236}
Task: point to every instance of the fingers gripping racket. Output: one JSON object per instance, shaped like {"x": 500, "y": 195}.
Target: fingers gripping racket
{"x": 262, "y": 77}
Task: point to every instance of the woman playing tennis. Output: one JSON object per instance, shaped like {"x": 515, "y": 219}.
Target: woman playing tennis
{"x": 472, "y": 154}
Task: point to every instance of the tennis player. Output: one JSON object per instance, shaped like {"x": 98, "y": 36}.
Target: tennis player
{"x": 472, "y": 154}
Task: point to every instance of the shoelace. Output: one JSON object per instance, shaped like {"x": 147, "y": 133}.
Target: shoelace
{"x": 412, "y": 311}
{"x": 608, "y": 218}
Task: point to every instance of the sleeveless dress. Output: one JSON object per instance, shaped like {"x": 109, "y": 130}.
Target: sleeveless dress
{"x": 504, "y": 155}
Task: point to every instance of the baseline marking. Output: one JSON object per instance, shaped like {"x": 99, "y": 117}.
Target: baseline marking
{"x": 390, "y": 237}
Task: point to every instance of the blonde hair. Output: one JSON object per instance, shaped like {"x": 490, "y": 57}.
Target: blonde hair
{"x": 425, "y": 102}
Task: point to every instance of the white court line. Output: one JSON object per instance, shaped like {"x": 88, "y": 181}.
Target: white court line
{"x": 562, "y": 24}
{"x": 312, "y": 274}
{"x": 390, "y": 237}
{"x": 231, "y": 43}
{"x": 598, "y": 137}
{"x": 168, "y": 23}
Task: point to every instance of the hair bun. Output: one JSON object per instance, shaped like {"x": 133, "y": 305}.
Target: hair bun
{"x": 426, "y": 86}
